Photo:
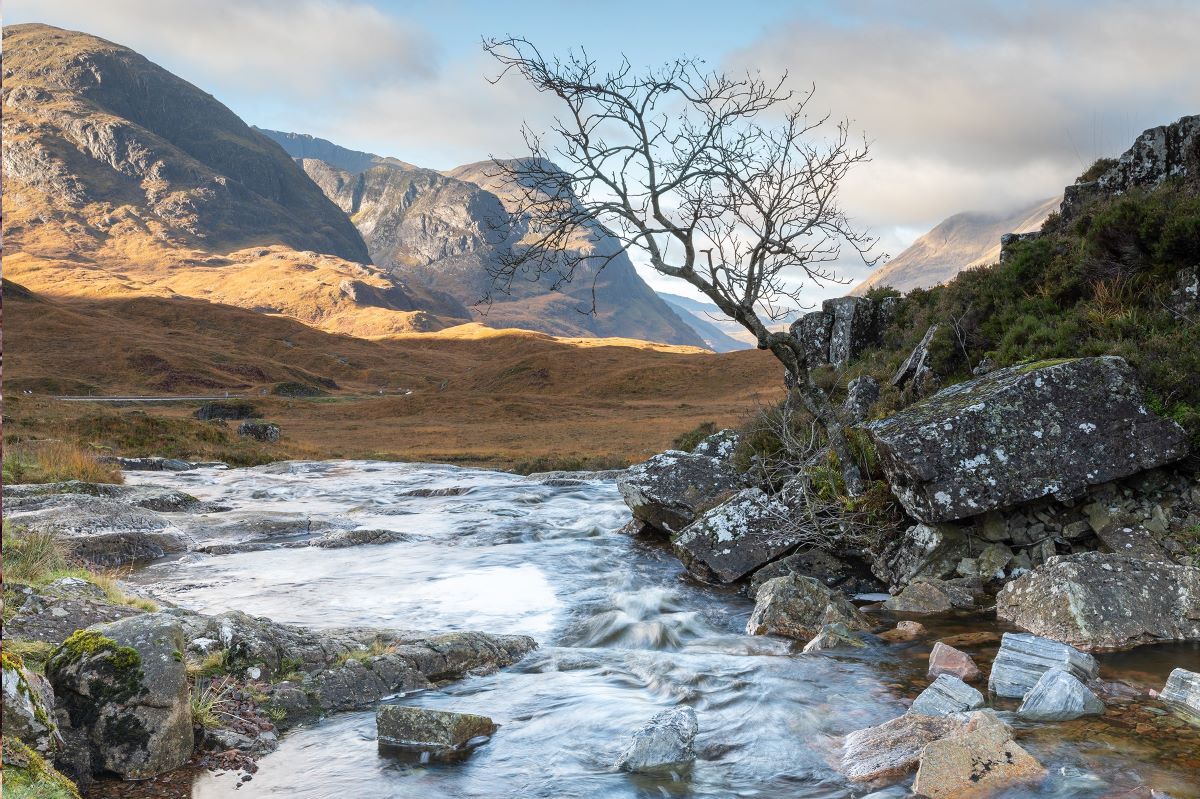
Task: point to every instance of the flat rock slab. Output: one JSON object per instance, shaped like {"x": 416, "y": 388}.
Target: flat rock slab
{"x": 1021, "y": 433}
{"x": 1059, "y": 696}
{"x": 669, "y": 490}
{"x": 975, "y": 764}
{"x": 947, "y": 694}
{"x": 1182, "y": 694}
{"x": 736, "y": 537}
{"x": 436, "y": 731}
{"x": 1097, "y": 601}
{"x": 665, "y": 741}
{"x": 1024, "y": 658}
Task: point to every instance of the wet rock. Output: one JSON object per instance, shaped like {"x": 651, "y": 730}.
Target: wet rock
{"x": 1099, "y": 601}
{"x": 1024, "y": 658}
{"x": 798, "y": 607}
{"x": 268, "y": 432}
{"x": 100, "y": 531}
{"x": 982, "y": 760}
{"x": 904, "y": 631}
{"x": 1059, "y": 696}
{"x": 147, "y": 464}
{"x": 812, "y": 330}
{"x": 945, "y": 695}
{"x": 932, "y": 551}
{"x": 892, "y": 749}
{"x": 813, "y": 563}
{"x": 835, "y": 636}
{"x": 664, "y": 742}
{"x": 737, "y": 536}
{"x": 861, "y": 393}
{"x": 1182, "y": 694}
{"x": 669, "y": 490}
{"x": 29, "y": 497}
{"x": 946, "y": 659}
{"x": 916, "y": 368}
{"x": 53, "y": 612}
{"x": 720, "y": 444}
{"x": 29, "y": 707}
{"x": 992, "y": 561}
{"x": 353, "y": 538}
{"x": 933, "y": 596}
{"x": 435, "y": 731}
{"x": 123, "y": 696}
{"x": 990, "y": 442}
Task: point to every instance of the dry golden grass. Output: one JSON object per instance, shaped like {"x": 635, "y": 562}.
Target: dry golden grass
{"x": 54, "y": 462}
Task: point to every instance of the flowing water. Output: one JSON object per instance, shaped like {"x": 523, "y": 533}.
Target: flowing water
{"x": 623, "y": 635}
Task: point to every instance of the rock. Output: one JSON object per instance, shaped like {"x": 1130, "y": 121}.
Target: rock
{"x": 147, "y": 464}
{"x": 834, "y": 636}
{"x": 28, "y": 774}
{"x": 931, "y": 551}
{"x": 669, "y": 490}
{"x": 28, "y": 707}
{"x": 798, "y": 607}
{"x": 993, "y": 560}
{"x": 1132, "y": 540}
{"x": 948, "y": 660}
{"x": 1059, "y": 696}
{"x": 978, "y": 762}
{"x": 812, "y": 330}
{"x": 932, "y": 596}
{"x": 861, "y": 393}
{"x": 992, "y": 441}
{"x": 814, "y": 563}
{"x": 53, "y": 612}
{"x": 260, "y": 431}
{"x": 945, "y": 695}
{"x": 916, "y": 367}
{"x": 30, "y": 497}
{"x": 230, "y": 409}
{"x": 664, "y": 742}
{"x": 892, "y": 749}
{"x": 1098, "y": 601}
{"x": 853, "y": 327}
{"x": 434, "y": 731}
{"x": 720, "y": 444}
{"x": 736, "y": 537}
{"x": 100, "y": 531}
{"x": 353, "y": 538}
{"x": 1182, "y": 694}
{"x": 1024, "y": 658}
{"x": 123, "y": 696}
{"x": 904, "y": 631}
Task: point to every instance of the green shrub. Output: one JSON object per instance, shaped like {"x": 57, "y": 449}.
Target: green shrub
{"x": 689, "y": 440}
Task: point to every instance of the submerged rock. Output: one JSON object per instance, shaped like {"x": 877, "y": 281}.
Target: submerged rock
{"x": 945, "y": 695}
{"x": 1059, "y": 696}
{"x": 669, "y": 490}
{"x": 1182, "y": 694}
{"x": 946, "y": 659}
{"x": 798, "y": 607}
{"x": 736, "y": 537}
{"x": 1099, "y": 601}
{"x": 665, "y": 741}
{"x": 835, "y": 636}
{"x": 980, "y": 761}
{"x": 434, "y": 731}
{"x": 1021, "y": 433}
{"x": 904, "y": 631}
{"x": 1024, "y": 658}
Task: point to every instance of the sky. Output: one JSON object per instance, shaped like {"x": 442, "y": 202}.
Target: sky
{"x": 967, "y": 106}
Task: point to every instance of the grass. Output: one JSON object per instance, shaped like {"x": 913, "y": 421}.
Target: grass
{"x": 33, "y": 653}
{"x": 55, "y": 462}
{"x": 213, "y": 664}
{"x": 689, "y": 440}
{"x": 210, "y": 705}
{"x": 570, "y": 463}
{"x": 27, "y": 775}
{"x": 376, "y": 649}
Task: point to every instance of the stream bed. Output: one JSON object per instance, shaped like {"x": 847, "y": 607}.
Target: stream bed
{"x": 623, "y": 633}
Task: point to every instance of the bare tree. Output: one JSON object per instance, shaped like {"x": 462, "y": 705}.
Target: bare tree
{"x": 676, "y": 163}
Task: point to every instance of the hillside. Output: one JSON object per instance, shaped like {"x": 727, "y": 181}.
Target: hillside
{"x": 446, "y": 230}
{"x": 719, "y": 332}
{"x": 959, "y": 242}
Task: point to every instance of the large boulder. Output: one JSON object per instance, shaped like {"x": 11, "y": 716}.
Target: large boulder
{"x": 1024, "y": 658}
{"x": 1099, "y": 601}
{"x": 267, "y": 432}
{"x": 853, "y": 327}
{"x": 1182, "y": 694}
{"x": 669, "y": 490}
{"x": 663, "y": 742}
{"x": 1022, "y": 433}
{"x": 1059, "y": 696}
{"x": 945, "y": 695}
{"x": 892, "y": 749}
{"x": 815, "y": 563}
{"x": 799, "y": 607}
{"x": 28, "y": 707}
{"x": 925, "y": 596}
{"x": 737, "y": 536}
{"x": 438, "y": 732}
{"x": 123, "y": 696}
{"x": 982, "y": 760}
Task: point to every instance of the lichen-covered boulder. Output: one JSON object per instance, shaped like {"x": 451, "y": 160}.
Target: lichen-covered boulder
{"x": 861, "y": 393}
{"x": 434, "y": 731}
{"x": 267, "y": 432}
{"x": 737, "y": 536}
{"x": 663, "y": 742}
{"x": 123, "y": 696}
{"x": 812, "y": 331}
{"x": 928, "y": 551}
{"x": 29, "y": 707}
{"x": 1021, "y": 433}
{"x": 1024, "y": 658}
{"x": 799, "y": 607}
{"x": 1182, "y": 694}
{"x": 979, "y": 762}
{"x": 1059, "y": 696}
{"x": 720, "y": 444}
{"x": 892, "y": 749}
{"x": 1094, "y": 600}
{"x": 668, "y": 491}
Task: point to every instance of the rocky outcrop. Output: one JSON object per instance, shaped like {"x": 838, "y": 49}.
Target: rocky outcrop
{"x": 669, "y": 490}
{"x": 982, "y": 760}
{"x": 799, "y": 607}
{"x": 1021, "y": 433}
{"x": 101, "y": 531}
{"x": 737, "y": 536}
{"x": 123, "y": 697}
{"x": 812, "y": 331}
{"x": 1024, "y": 658}
{"x": 260, "y": 431}
{"x": 438, "y": 732}
{"x": 916, "y": 367}
{"x": 841, "y": 330}
{"x": 861, "y": 393}
{"x": 1059, "y": 696}
{"x": 945, "y": 695}
{"x": 1182, "y": 694}
{"x": 663, "y": 742}
{"x": 1099, "y": 601}
{"x": 928, "y": 551}
{"x": 29, "y": 707}
{"x": 52, "y": 612}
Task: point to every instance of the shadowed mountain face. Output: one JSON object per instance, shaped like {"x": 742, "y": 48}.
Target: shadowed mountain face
{"x": 448, "y": 230}
{"x": 959, "y": 242}
{"x": 98, "y": 139}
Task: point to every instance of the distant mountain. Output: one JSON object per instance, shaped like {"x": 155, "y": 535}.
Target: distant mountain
{"x": 446, "y": 230}
{"x": 960, "y": 242}
{"x": 122, "y": 179}
{"x": 720, "y": 333}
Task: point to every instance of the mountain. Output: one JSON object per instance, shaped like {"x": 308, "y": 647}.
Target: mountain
{"x": 960, "y": 242}
{"x": 121, "y": 179}
{"x": 720, "y": 333}
{"x": 447, "y": 229}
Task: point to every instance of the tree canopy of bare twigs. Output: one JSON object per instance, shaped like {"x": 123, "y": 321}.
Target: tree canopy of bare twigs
{"x": 722, "y": 182}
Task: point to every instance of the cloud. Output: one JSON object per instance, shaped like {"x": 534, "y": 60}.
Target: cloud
{"x": 283, "y": 50}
